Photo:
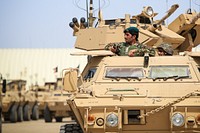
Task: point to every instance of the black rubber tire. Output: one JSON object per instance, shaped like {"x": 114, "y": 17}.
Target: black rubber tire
{"x": 71, "y": 128}
{"x": 0, "y": 120}
{"x": 47, "y": 115}
{"x": 58, "y": 119}
{"x": 20, "y": 114}
{"x": 27, "y": 113}
{"x": 13, "y": 114}
{"x": 35, "y": 114}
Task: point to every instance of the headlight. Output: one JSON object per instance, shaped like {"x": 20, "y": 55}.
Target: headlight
{"x": 177, "y": 119}
{"x": 112, "y": 120}
{"x": 148, "y": 11}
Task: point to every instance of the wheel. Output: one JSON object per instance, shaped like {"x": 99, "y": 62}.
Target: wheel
{"x": 20, "y": 114}
{"x": 13, "y": 114}
{"x": 71, "y": 128}
{"x": 0, "y": 120}
{"x": 47, "y": 115}
{"x": 58, "y": 119}
{"x": 35, "y": 114}
{"x": 27, "y": 113}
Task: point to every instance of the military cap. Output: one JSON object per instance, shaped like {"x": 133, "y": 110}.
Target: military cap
{"x": 166, "y": 47}
{"x": 132, "y": 30}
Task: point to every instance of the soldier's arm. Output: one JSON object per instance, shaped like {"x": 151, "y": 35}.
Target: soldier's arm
{"x": 142, "y": 49}
{"x": 114, "y": 47}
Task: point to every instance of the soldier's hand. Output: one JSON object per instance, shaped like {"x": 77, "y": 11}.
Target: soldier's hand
{"x": 132, "y": 52}
{"x": 114, "y": 50}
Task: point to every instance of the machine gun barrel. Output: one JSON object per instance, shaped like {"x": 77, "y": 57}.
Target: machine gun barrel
{"x": 156, "y": 25}
{"x": 195, "y": 18}
{"x": 169, "y": 12}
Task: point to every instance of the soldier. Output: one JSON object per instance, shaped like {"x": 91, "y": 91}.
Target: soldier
{"x": 165, "y": 49}
{"x": 131, "y": 46}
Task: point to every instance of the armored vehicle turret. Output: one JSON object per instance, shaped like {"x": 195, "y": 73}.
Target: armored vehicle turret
{"x": 122, "y": 94}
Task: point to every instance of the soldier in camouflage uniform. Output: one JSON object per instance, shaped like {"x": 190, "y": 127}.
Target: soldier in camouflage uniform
{"x": 165, "y": 49}
{"x": 131, "y": 46}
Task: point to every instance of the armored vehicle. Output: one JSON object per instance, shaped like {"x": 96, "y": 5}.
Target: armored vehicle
{"x": 122, "y": 94}
{"x": 42, "y": 93}
{"x": 56, "y": 105}
{"x": 18, "y": 104}
{"x": 30, "y": 104}
{"x": 11, "y": 100}
{"x": 2, "y": 90}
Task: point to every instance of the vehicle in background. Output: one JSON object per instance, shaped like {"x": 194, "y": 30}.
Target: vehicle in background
{"x": 2, "y": 90}
{"x": 56, "y": 105}
{"x": 19, "y": 104}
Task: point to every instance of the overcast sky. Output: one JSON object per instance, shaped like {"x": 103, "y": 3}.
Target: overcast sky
{"x": 45, "y": 23}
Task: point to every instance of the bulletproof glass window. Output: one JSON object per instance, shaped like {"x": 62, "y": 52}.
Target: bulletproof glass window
{"x": 112, "y": 72}
{"x": 169, "y": 71}
{"x": 90, "y": 73}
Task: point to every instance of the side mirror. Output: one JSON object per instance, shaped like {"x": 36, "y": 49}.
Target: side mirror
{"x": 4, "y": 86}
{"x": 70, "y": 79}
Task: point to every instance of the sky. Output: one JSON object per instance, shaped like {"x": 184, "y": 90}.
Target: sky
{"x": 45, "y": 23}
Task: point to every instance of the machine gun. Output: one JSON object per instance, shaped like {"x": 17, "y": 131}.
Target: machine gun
{"x": 157, "y": 25}
{"x": 188, "y": 26}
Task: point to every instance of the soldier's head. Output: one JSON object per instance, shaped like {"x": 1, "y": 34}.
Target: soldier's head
{"x": 131, "y": 33}
{"x": 165, "y": 49}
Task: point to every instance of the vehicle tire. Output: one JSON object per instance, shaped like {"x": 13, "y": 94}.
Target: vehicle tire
{"x": 0, "y": 120}
{"x": 71, "y": 128}
{"x": 6, "y": 117}
{"x": 47, "y": 115}
{"x": 35, "y": 114}
{"x": 58, "y": 119}
{"x": 27, "y": 113}
{"x": 13, "y": 114}
{"x": 20, "y": 114}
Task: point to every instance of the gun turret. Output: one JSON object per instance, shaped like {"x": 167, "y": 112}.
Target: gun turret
{"x": 188, "y": 26}
{"x": 156, "y": 25}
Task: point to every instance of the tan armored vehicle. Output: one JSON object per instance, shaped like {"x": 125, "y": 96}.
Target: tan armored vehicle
{"x": 11, "y": 101}
{"x": 42, "y": 93}
{"x": 121, "y": 94}
{"x": 2, "y": 90}
{"x": 19, "y": 104}
{"x": 30, "y": 105}
{"x": 56, "y": 105}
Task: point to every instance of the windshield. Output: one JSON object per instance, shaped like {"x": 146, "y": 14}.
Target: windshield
{"x": 90, "y": 73}
{"x": 124, "y": 72}
{"x": 169, "y": 71}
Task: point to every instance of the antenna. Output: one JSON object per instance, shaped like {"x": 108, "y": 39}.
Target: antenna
{"x": 91, "y": 20}
{"x": 87, "y": 12}
{"x": 190, "y": 8}
{"x": 167, "y": 10}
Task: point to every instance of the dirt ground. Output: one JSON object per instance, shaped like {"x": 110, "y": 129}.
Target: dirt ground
{"x": 38, "y": 126}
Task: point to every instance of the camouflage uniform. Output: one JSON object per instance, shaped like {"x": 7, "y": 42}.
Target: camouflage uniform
{"x": 167, "y": 48}
{"x": 124, "y": 48}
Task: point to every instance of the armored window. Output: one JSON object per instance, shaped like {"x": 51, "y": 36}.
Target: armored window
{"x": 90, "y": 73}
{"x": 124, "y": 72}
{"x": 169, "y": 71}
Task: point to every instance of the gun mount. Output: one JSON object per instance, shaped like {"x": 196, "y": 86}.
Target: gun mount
{"x": 182, "y": 33}
{"x": 188, "y": 26}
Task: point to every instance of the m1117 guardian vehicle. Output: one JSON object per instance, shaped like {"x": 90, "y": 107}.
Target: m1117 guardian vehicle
{"x": 122, "y": 94}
